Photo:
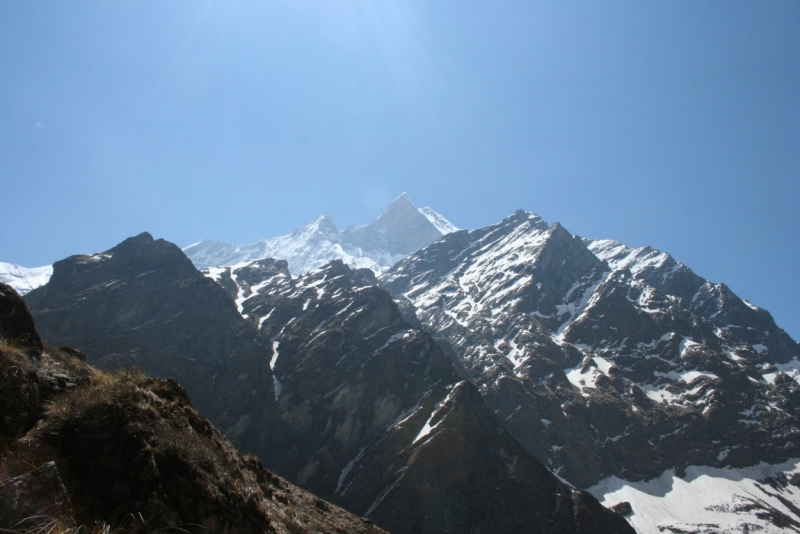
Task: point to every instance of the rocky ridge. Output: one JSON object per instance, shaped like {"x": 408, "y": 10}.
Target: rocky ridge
{"x": 404, "y": 440}
{"x": 603, "y": 360}
{"x": 143, "y": 303}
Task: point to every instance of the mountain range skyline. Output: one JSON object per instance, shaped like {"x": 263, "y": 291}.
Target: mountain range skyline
{"x": 461, "y": 267}
{"x": 25, "y": 278}
{"x": 618, "y": 369}
{"x": 670, "y": 125}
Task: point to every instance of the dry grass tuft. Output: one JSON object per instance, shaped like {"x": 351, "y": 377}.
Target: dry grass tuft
{"x": 105, "y": 388}
{"x": 11, "y": 348}
{"x": 133, "y": 524}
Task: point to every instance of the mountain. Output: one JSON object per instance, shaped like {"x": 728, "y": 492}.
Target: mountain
{"x": 365, "y": 396}
{"x": 400, "y": 230}
{"x": 323, "y": 378}
{"x": 462, "y": 370}
{"x": 615, "y": 366}
{"x": 24, "y": 279}
{"x": 84, "y": 449}
{"x": 143, "y": 303}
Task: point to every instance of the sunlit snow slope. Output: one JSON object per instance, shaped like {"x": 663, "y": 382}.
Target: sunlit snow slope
{"x": 24, "y": 279}
{"x": 763, "y": 498}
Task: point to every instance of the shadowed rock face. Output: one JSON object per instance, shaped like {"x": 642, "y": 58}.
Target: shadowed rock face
{"x": 129, "y": 447}
{"x": 606, "y": 360}
{"x": 373, "y": 417}
{"x": 143, "y": 303}
{"x": 16, "y": 321}
{"x": 470, "y": 454}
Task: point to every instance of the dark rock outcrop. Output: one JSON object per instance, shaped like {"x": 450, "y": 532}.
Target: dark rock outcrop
{"x": 33, "y": 499}
{"x": 623, "y": 508}
{"x": 16, "y": 322}
{"x": 31, "y": 372}
{"x": 134, "y": 454}
{"x": 143, "y": 303}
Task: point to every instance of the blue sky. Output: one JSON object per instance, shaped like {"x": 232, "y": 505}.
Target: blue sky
{"x": 672, "y": 124}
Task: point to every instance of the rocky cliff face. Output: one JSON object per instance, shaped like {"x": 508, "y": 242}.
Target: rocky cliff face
{"x": 374, "y": 417}
{"x": 128, "y": 451}
{"x": 143, "y": 303}
{"x": 16, "y": 322}
{"x": 604, "y": 360}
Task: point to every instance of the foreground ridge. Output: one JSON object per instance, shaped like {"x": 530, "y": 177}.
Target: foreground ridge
{"x": 128, "y": 451}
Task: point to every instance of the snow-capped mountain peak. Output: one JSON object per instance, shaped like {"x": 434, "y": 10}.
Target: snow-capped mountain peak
{"x": 397, "y": 232}
{"x": 324, "y": 225}
{"x": 612, "y": 363}
{"x": 24, "y": 279}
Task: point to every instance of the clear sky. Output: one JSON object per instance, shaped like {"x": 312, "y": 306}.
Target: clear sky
{"x": 674, "y": 124}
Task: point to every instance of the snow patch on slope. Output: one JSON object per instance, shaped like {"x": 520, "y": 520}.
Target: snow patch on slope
{"x": 438, "y": 220}
{"x": 620, "y": 256}
{"x": 427, "y": 428}
{"x": 792, "y": 369}
{"x": 719, "y": 500}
